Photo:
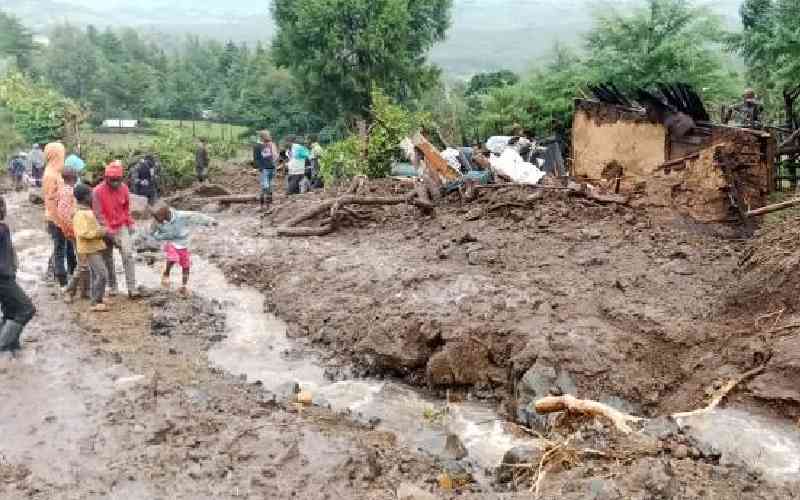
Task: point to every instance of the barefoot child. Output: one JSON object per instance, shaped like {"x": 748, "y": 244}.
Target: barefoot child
{"x": 90, "y": 240}
{"x": 17, "y": 307}
{"x": 172, "y": 228}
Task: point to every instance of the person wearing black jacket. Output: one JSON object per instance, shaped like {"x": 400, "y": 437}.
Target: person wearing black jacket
{"x": 145, "y": 179}
{"x": 18, "y": 309}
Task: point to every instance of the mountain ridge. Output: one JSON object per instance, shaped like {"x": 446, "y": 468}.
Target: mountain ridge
{"x": 485, "y": 35}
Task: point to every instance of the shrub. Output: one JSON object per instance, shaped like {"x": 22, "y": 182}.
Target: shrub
{"x": 350, "y": 157}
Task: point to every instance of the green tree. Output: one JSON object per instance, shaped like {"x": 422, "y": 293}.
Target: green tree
{"x": 483, "y": 82}
{"x": 770, "y": 46}
{"x": 339, "y": 49}
{"x": 542, "y": 102}
{"x": 668, "y": 40}
{"x": 16, "y": 41}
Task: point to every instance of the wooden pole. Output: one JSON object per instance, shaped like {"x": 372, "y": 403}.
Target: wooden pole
{"x": 774, "y": 208}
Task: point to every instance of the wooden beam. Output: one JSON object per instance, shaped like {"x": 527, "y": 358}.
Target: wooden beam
{"x": 774, "y": 208}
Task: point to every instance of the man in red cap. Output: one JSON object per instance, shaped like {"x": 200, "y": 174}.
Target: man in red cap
{"x": 111, "y": 205}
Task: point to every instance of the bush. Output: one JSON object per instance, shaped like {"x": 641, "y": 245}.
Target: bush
{"x": 350, "y": 157}
{"x": 175, "y": 149}
{"x": 39, "y": 111}
{"x": 343, "y": 160}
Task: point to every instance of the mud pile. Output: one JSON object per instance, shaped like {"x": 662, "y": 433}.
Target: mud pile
{"x": 512, "y": 297}
{"x": 765, "y": 299}
{"x": 524, "y": 294}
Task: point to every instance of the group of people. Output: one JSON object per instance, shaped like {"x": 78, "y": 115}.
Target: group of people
{"x": 301, "y": 159}
{"x": 86, "y": 224}
{"x": 30, "y": 163}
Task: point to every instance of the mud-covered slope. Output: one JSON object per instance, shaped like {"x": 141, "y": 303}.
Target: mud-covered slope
{"x": 510, "y": 301}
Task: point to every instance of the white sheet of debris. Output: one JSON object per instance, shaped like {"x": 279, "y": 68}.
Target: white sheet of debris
{"x": 510, "y": 164}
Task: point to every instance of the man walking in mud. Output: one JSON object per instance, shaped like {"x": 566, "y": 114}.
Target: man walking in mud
{"x": 111, "y": 205}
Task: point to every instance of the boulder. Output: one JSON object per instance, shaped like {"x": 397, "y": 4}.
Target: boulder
{"x": 541, "y": 380}
{"x": 518, "y": 455}
{"x": 387, "y": 349}
{"x": 459, "y": 363}
{"x": 779, "y": 380}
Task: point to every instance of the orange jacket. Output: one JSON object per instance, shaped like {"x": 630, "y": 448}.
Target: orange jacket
{"x": 52, "y": 182}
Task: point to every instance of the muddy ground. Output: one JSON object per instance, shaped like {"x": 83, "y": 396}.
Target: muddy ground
{"x": 125, "y": 405}
{"x": 505, "y": 303}
{"x": 548, "y": 295}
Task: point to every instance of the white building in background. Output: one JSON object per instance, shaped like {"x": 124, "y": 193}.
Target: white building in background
{"x": 120, "y": 124}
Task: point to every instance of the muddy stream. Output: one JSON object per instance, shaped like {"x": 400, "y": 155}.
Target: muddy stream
{"x": 257, "y": 348}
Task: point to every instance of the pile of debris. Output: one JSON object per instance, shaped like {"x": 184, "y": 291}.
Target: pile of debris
{"x": 662, "y": 148}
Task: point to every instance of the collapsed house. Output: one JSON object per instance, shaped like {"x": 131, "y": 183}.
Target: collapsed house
{"x": 662, "y": 150}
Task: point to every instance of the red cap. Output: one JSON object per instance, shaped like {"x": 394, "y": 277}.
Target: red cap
{"x": 114, "y": 169}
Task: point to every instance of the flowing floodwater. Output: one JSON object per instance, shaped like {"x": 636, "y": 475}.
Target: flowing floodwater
{"x": 257, "y": 347}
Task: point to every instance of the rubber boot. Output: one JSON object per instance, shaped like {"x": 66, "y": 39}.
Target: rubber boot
{"x": 9, "y": 335}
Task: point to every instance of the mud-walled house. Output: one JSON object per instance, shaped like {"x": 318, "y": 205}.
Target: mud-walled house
{"x": 663, "y": 151}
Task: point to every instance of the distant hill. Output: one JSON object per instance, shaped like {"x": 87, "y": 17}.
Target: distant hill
{"x": 486, "y": 34}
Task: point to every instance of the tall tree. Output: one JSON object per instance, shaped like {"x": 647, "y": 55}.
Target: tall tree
{"x": 16, "y": 41}
{"x": 668, "y": 40}
{"x": 340, "y": 49}
{"x": 770, "y": 45}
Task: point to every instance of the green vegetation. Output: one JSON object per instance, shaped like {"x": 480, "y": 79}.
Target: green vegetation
{"x": 340, "y": 49}
{"x": 770, "y": 45}
{"x": 372, "y": 155}
{"x": 329, "y": 56}
{"x": 174, "y": 145}
{"x": 16, "y": 41}
{"x": 39, "y": 112}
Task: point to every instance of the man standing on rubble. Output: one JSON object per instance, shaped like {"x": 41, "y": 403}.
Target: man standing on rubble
{"x": 747, "y": 113}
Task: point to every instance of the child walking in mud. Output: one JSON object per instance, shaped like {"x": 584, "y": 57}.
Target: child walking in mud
{"x": 172, "y": 228}
{"x": 17, "y": 307}
{"x": 90, "y": 241}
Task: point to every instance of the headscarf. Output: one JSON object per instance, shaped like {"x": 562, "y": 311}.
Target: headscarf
{"x": 74, "y": 163}
{"x": 52, "y": 182}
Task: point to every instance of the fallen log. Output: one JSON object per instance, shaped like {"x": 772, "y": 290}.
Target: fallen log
{"x": 231, "y": 199}
{"x": 553, "y": 404}
{"x": 335, "y": 208}
{"x": 773, "y": 208}
{"x": 568, "y": 403}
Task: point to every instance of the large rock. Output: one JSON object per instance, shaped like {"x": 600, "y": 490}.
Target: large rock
{"x": 780, "y": 379}
{"x": 459, "y": 363}
{"x": 519, "y": 455}
{"x": 386, "y": 348}
{"x": 139, "y": 206}
{"x": 541, "y": 380}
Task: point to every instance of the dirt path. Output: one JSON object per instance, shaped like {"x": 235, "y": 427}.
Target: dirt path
{"x": 100, "y": 407}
